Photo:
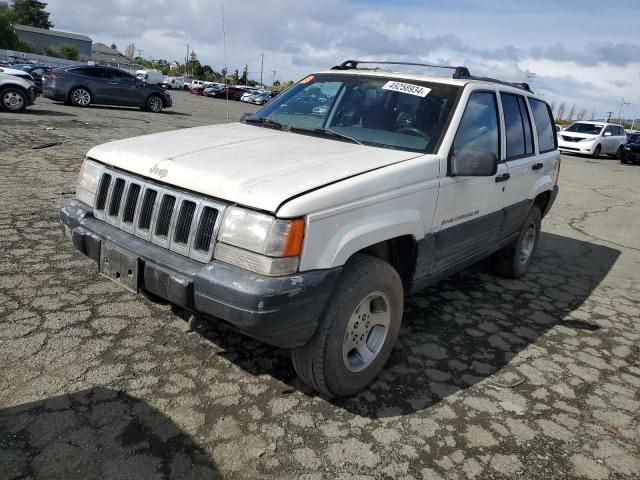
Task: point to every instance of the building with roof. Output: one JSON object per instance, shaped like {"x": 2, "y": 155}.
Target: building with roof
{"x": 42, "y": 38}
{"x": 105, "y": 55}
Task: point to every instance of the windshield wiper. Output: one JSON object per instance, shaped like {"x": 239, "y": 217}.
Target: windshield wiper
{"x": 268, "y": 122}
{"x": 333, "y": 133}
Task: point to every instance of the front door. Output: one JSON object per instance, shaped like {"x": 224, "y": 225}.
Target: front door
{"x": 469, "y": 215}
{"x": 122, "y": 88}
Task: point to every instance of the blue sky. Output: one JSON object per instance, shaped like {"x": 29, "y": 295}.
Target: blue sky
{"x": 585, "y": 52}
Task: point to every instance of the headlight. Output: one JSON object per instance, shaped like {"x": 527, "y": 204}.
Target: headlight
{"x": 88, "y": 179}
{"x": 259, "y": 242}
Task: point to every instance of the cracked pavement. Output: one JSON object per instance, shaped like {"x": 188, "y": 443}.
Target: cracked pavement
{"x": 491, "y": 378}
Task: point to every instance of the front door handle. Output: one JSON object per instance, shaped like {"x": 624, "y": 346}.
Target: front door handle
{"x": 503, "y": 178}
{"x": 537, "y": 166}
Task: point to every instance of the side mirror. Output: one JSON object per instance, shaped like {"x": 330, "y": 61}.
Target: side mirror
{"x": 244, "y": 116}
{"x": 471, "y": 162}
{"x": 607, "y": 134}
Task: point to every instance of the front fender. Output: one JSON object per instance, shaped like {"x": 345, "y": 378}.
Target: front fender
{"x": 333, "y": 240}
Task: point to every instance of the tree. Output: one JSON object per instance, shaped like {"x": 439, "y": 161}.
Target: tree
{"x": 245, "y": 74}
{"x": 572, "y": 112}
{"x": 68, "y": 51}
{"x": 581, "y": 115}
{"x": 561, "y": 109}
{"x": 130, "y": 51}
{"x": 32, "y": 13}
{"x": 553, "y": 107}
{"x": 114, "y": 46}
{"x": 593, "y": 115}
{"x": 236, "y": 77}
{"x": 224, "y": 72}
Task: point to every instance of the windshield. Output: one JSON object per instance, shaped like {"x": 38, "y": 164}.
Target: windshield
{"x": 633, "y": 138}
{"x": 585, "y": 128}
{"x": 397, "y": 114}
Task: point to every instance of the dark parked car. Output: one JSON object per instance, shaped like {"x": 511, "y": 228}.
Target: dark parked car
{"x": 85, "y": 85}
{"x": 232, "y": 92}
{"x": 630, "y": 151}
{"x": 36, "y": 71}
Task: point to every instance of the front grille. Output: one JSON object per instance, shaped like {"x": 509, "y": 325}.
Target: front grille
{"x": 179, "y": 221}
{"x": 567, "y": 138}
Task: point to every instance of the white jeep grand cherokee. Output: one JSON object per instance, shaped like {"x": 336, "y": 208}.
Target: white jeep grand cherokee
{"x": 306, "y": 224}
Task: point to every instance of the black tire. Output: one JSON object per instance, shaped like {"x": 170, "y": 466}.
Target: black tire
{"x": 596, "y": 152}
{"x": 320, "y": 363}
{"x": 154, "y": 103}
{"x": 509, "y": 262}
{"x": 13, "y": 99}
{"x": 80, "y": 97}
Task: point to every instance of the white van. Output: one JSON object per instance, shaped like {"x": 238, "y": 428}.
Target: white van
{"x": 174, "y": 83}
{"x": 592, "y": 138}
{"x": 152, "y": 77}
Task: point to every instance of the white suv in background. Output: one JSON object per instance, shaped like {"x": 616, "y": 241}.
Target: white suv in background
{"x": 592, "y": 138}
{"x": 305, "y": 228}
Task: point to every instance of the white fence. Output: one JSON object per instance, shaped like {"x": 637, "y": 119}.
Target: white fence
{"x": 16, "y": 57}
{"x": 12, "y": 56}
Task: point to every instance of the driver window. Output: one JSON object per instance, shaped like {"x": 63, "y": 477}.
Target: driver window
{"x": 478, "y": 128}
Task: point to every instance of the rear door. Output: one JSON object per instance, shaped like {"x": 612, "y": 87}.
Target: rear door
{"x": 523, "y": 165}
{"x": 93, "y": 79}
{"x": 468, "y": 214}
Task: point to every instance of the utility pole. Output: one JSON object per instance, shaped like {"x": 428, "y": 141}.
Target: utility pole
{"x": 140, "y": 53}
{"x": 274, "y": 78}
{"x": 609, "y": 116}
{"x": 622, "y": 104}
{"x": 261, "y": 67}
{"x": 186, "y": 62}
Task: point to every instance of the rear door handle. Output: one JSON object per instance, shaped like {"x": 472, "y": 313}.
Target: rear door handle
{"x": 503, "y": 178}
{"x": 537, "y": 166}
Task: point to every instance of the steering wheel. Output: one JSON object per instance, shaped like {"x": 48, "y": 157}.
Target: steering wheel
{"x": 413, "y": 131}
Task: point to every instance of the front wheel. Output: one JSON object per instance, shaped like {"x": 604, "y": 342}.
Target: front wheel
{"x": 357, "y": 330}
{"x": 596, "y": 152}
{"x": 154, "y": 103}
{"x": 13, "y": 100}
{"x": 513, "y": 261}
{"x": 80, "y": 97}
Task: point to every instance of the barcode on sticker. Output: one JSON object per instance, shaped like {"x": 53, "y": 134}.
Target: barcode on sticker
{"x": 409, "y": 88}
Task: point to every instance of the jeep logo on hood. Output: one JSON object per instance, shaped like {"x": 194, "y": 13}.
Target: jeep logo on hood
{"x": 160, "y": 172}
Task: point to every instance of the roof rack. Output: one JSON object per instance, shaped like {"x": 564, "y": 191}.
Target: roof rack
{"x": 459, "y": 72}
{"x": 521, "y": 85}
{"x": 353, "y": 64}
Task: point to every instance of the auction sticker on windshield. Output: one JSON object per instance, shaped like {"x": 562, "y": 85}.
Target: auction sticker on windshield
{"x": 409, "y": 88}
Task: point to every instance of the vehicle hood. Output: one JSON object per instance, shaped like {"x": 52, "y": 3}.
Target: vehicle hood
{"x": 7, "y": 78}
{"x": 249, "y": 165}
{"x": 635, "y": 147}
{"x": 564, "y": 133}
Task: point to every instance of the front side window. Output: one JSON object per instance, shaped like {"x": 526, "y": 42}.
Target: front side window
{"x": 119, "y": 76}
{"x": 517, "y": 126}
{"x": 478, "y": 128}
{"x": 590, "y": 128}
{"x": 544, "y": 125}
{"x": 380, "y": 112}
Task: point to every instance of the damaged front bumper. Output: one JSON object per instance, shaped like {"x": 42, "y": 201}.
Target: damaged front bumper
{"x": 280, "y": 311}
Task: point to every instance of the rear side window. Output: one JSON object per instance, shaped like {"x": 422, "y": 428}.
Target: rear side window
{"x": 478, "y": 128}
{"x": 621, "y": 132}
{"x": 544, "y": 125}
{"x": 88, "y": 71}
{"x": 517, "y": 126}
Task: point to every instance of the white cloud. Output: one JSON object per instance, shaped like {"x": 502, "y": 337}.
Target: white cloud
{"x": 493, "y": 37}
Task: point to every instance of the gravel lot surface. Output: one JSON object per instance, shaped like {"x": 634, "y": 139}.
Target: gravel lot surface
{"x": 538, "y": 378}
